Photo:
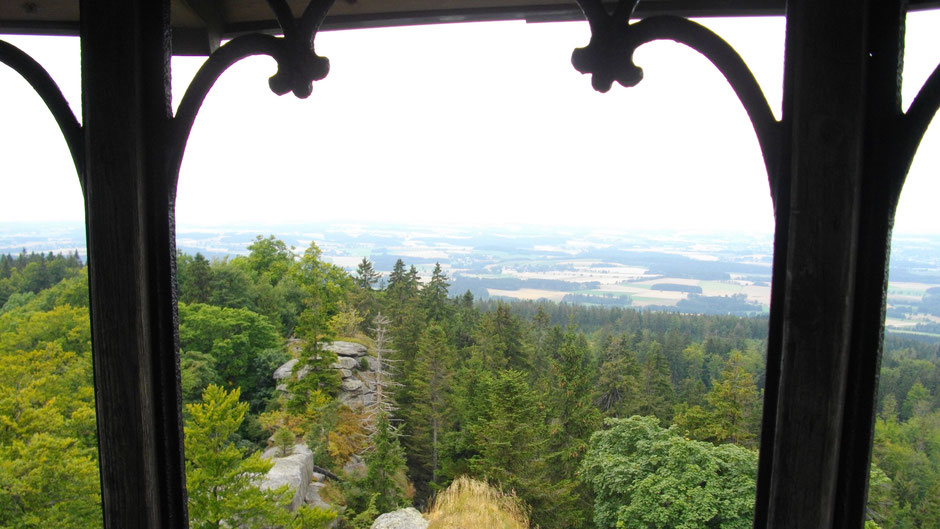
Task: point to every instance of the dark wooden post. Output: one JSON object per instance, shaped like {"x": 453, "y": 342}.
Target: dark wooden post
{"x": 130, "y": 234}
{"x": 835, "y": 209}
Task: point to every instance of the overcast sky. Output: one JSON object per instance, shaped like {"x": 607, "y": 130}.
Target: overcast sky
{"x": 456, "y": 124}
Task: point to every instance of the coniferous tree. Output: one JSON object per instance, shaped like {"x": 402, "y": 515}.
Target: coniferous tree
{"x": 366, "y": 276}
{"x": 735, "y": 404}
{"x": 365, "y": 298}
{"x": 384, "y": 401}
{"x": 508, "y": 442}
{"x": 465, "y": 321}
{"x": 324, "y": 286}
{"x": 429, "y": 413}
{"x": 656, "y": 393}
{"x": 434, "y": 296}
{"x": 221, "y": 478}
{"x": 691, "y": 389}
{"x": 618, "y": 384}
{"x": 502, "y": 340}
{"x": 573, "y": 416}
{"x": 385, "y": 467}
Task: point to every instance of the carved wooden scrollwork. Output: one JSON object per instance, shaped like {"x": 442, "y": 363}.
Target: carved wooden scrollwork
{"x": 608, "y": 58}
{"x": 298, "y": 65}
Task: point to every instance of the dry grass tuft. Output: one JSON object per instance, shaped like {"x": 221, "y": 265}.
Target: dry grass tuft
{"x": 472, "y": 504}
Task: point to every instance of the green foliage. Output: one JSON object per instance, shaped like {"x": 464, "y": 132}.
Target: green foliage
{"x": 324, "y": 286}
{"x": 244, "y": 345}
{"x": 917, "y": 401}
{"x": 618, "y": 382}
{"x": 269, "y": 259}
{"x": 364, "y": 519}
{"x": 499, "y": 391}
{"x": 222, "y": 479}
{"x": 502, "y": 340}
{"x": 318, "y": 377}
{"x": 386, "y": 466}
{"x": 48, "y": 480}
{"x": 366, "y": 276}
{"x": 656, "y": 391}
{"x": 306, "y": 517}
{"x": 434, "y": 296}
{"x": 284, "y": 441}
{"x": 48, "y": 449}
{"x": 428, "y": 417}
{"x": 647, "y": 477}
{"x": 197, "y": 371}
{"x": 194, "y": 277}
{"x": 573, "y": 416}
{"x": 733, "y": 411}
{"x": 507, "y": 440}
{"x": 34, "y": 272}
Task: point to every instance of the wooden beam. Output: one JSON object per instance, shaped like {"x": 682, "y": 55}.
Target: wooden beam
{"x": 130, "y": 237}
{"x": 835, "y": 209}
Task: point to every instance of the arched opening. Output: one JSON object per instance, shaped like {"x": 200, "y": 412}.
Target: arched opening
{"x": 478, "y": 147}
{"x": 48, "y": 441}
{"x": 905, "y": 470}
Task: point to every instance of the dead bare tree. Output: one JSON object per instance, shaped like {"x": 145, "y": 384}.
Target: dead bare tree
{"x": 382, "y": 370}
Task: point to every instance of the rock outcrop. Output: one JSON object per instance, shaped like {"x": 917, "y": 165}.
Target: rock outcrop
{"x": 357, "y": 390}
{"x": 358, "y": 385}
{"x": 295, "y": 470}
{"x": 408, "y": 518}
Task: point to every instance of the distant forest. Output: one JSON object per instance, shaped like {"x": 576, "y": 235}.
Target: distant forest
{"x": 596, "y": 416}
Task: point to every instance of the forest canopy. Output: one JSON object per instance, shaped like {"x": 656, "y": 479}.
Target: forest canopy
{"x": 592, "y": 415}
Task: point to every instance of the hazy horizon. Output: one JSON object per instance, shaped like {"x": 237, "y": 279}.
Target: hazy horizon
{"x": 491, "y": 126}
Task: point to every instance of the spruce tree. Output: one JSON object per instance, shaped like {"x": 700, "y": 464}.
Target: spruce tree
{"x": 428, "y": 417}
{"x": 618, "y": 382}
{"x": 502, "y": 340}
{"x": 656, "y": 392}
{"x": 434, "y": 296}
{"x": 386, "y": 466}
{"x": 366, "y": 276}
{"x": 735, "y": 404}
{"x": 573, "y": 415}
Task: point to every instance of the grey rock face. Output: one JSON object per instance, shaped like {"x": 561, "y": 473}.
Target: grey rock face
{"x": 345, "y": 362}
{"x": 294, "y": 470}
{"x": 284, "y": 371}
{"x": 348, "y": 349}
{"x": 313, "y": 498}
{"x": 408, "y": 518}
{"x": 352, "y": 385}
